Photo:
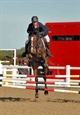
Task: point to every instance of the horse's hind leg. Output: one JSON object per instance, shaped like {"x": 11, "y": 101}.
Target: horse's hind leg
{"x": 45, "y": 71}
{"x": 36, "y": 94}
{"x": 36, "y": 79}
{"x": 45, "y": 92}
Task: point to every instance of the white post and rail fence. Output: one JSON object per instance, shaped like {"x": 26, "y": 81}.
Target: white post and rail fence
{"x": 5, "y": 68}
{"x": 14, "y": 69}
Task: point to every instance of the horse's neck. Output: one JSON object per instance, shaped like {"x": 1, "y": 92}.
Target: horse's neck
{"x": 41, "y": 43}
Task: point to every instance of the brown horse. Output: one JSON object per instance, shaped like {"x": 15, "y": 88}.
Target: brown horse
{"x": 38, "y": 57}
{"x": 8, "y": 58}
{"x": 11, "y": 60}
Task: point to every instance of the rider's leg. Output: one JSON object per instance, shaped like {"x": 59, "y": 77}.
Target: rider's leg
{"x": 26, "y": 47}
{"x": 26, "y": 44}
{"x": 47, "y": 45}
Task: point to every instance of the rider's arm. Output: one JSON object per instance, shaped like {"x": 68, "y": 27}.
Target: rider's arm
{"x": 29, "y": 28}
{"x": 44, "y": 29}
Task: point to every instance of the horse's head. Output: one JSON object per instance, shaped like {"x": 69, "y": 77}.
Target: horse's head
{"x": 34, "y": 38}
{"x": 37, "y": 45}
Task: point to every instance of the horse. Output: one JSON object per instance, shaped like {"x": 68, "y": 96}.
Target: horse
{"x": 38, "y": 57}
{"x": 11, "y": 60}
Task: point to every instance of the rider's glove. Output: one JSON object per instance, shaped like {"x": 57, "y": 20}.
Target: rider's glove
{"x": 41, "y": 34}
{"x": 35, "y": 31}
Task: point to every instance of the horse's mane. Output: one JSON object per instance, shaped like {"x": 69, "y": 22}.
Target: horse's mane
{"x": 19, "y": 56}
{"x": 8, "y": 57}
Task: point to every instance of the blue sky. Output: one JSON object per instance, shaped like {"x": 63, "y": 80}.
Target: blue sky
{"x": 15, "y": 15}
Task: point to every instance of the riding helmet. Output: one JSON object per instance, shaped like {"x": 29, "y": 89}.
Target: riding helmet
{"x": 34, "y": 19}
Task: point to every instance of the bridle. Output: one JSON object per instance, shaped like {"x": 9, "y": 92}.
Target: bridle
{"x": 32, "y": 39}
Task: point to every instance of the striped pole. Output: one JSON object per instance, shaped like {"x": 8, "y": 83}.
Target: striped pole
{"x": 26, "y": 84}
{"x": 53, "y": 78}
{"x": 66, "y": 91}
{"x": 41, "y": 79}
{"x": 49, "y": 84}
{"x": 52, "y": 83}
{"x": 45, "y": 89}
{"x": 47, "y": 76}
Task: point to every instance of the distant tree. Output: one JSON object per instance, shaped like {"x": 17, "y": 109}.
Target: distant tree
{"x": 10, "y": 53}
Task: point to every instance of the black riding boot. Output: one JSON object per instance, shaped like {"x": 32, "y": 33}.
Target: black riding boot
{"x": 48, "y": 51}
{"x": 26, "y": 51}
{"x": 29, "y": 62}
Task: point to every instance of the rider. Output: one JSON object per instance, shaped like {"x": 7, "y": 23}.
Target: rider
{"x": 43, "y": 33}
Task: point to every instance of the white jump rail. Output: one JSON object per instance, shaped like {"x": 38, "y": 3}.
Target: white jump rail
{"x": 67, "y": 68}
{"x": 74, "y": 68}
{"x": 4, "y": 61}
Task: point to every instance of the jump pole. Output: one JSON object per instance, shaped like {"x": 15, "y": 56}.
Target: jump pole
{"x": 44, "y": 89}
{"x": 47, "y": 76}
{"x": 33, "y": 82}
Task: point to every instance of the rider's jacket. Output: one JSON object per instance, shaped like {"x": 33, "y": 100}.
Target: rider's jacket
{"x": 40, "y": 27}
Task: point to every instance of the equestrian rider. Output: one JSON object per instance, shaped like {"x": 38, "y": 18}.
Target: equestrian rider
{"x": 43, "y": 33}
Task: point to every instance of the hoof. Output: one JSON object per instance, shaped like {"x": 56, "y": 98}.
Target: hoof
{"x": 46, "y": 92}
{"x": 36, "y": 95}
{"x": 36, "y": 79}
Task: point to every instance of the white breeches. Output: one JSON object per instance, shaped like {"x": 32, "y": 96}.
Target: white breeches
{"x": 46, "y": 37}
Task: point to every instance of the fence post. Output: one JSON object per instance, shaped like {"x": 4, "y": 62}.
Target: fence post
{"x": 1, "y": 74}
{"x": 68, "y": 75}
{"x": 14, "y": 73}
{"x": 4, "y": 72}
{"x": 1, "y": 68}
{"x": 14, "y": 57}
{"x": 32, "y": 73}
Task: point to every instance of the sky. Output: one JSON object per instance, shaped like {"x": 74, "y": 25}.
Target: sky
{"x": 15, "y": 15}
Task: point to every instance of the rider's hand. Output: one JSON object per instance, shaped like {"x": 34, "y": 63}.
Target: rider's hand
{"x": 35, "y": 31}
{"x": 40, "y": 35}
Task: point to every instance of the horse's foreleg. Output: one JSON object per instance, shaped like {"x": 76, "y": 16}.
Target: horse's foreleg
{"x": 36, "y": 79}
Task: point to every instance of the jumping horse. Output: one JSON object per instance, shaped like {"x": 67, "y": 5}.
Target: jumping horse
{"x": 38, "y": 57}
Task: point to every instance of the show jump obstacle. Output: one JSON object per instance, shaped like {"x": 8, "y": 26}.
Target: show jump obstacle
{"x": 55, "y": 83}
